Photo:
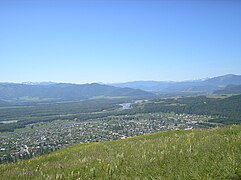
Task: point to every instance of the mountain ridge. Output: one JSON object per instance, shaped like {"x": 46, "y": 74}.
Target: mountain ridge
{"x": 230, "y": 89}
{"x": 67, "y": 91}
{"x": 137, "y": 89}
{"x": 204, "y": 85}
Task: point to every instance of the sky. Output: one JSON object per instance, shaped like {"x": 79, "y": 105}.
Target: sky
{"x": 118, "y": 40}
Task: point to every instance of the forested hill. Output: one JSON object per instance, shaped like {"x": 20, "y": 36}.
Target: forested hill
{"x": 231, "y": 89}
{"x": 227, "y": 110}
{"x": 64, "y": 91}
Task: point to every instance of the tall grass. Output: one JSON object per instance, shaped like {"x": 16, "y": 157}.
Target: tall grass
{"x": 193, "y": 154}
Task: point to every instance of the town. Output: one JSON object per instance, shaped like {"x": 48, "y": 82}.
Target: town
{"x": 40, "y": 138}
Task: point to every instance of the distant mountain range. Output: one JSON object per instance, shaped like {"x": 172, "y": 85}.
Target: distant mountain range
{"x": 39, "y": 83}
{"x": 64, "y": 91}
{"x": 196, "y": 86}
{"x": 29, "y": 91}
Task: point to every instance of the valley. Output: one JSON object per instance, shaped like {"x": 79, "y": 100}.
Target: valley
{"x": 38, "y": 121}
{"x": 39, "y": 129}
{"x": 40, "y": 138}
{"x": 120, "y": 90}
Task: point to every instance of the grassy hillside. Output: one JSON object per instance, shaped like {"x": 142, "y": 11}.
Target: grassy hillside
{"x": 193, "y": 154}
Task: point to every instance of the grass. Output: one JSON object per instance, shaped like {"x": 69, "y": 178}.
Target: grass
{"x": 193, "y": 154}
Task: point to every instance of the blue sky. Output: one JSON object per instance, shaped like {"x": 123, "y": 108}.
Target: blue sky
{"x": 118, "y": 41}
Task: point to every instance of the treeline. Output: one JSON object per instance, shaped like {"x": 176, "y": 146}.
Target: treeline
{"x": 228, "y": 110}
{"x": 60, "y": 108}
{"x": 10, "y": 127}
{"x": 80, "y": 111}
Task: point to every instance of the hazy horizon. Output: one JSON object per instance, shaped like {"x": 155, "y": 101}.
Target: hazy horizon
{"x": 118, "y": 41}
{"x": 110, "y": 83}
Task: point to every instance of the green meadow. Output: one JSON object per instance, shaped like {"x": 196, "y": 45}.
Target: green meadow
{"x": 191, "y": 154}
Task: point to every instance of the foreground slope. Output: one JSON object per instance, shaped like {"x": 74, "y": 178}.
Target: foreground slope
{"x": 192, "y": 154}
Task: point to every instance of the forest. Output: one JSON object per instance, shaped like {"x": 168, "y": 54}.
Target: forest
{"x": 227, "y": 110}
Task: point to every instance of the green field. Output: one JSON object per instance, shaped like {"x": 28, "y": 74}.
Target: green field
{"x": 192, "y": 154}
